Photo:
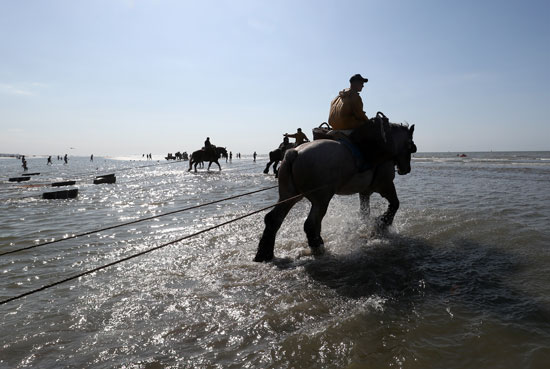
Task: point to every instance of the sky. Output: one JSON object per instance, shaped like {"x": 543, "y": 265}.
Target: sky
{"x": 122, "y": 77}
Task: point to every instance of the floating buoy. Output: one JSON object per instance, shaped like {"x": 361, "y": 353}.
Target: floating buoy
{"x": 19, "y": 179}
{"x": 107, "y": 178}
{"x": 66, "y": 183}
{"x": 65, "y": 194}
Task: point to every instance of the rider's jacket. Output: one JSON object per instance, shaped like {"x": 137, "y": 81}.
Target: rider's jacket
{"x": 300, "y": 137}
{"x": 346, "y": 110}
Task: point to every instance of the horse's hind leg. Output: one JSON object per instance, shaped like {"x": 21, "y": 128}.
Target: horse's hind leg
{"x": 312, "y": 226}
{"x": 273, "y": 221}
{"x": 266, "y": 170}
{"x": 364, "y": 205}
{"x": 275, "y": 171}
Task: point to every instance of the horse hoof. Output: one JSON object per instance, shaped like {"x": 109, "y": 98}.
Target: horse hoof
{"x": 263, "y": 257}
{"x": 312, "y": 251}
{"x": 319, "y": 250}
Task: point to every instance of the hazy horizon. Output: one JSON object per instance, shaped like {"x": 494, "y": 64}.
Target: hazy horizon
{"x": 121, "y": 76}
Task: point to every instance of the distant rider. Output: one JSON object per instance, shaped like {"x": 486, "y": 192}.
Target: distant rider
{"x": 284, "y": 145}
{"x": 299, "y": 136}
{"x": 208, "y": 147}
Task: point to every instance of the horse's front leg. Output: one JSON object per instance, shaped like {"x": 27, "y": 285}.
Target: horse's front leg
{"x": 389, "y": 194}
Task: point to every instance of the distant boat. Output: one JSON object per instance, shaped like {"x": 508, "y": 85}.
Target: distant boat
{"x": 107, "y": 178}
{"x": 64, "y": 194}
{"x": 19, "y": 179}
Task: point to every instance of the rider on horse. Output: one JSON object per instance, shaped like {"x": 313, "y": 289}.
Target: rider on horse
{"x": 285, "y": 144}
{"x": 346, "y": 115}
{"x": 299, "y": 136}
{"x": 208, "y": 147}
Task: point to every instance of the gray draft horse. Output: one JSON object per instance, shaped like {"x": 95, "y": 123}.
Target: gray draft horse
{"x": 200, "y": 156}
{"x": 320, "y": 169}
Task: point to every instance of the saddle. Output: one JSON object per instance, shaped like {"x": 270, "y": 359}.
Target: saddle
{"x": 369, "y": 144}
{"x": 210, "y": 151}
{"x": 325, "y": 132}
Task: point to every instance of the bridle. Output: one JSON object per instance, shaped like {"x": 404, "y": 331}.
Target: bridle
{"x": 410, "y": 148}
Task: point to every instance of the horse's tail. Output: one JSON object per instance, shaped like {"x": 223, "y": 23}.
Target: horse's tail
{"x": 290, "y": 156}
{"x": 285, "y": 171}
{"x": 192, "y": 160}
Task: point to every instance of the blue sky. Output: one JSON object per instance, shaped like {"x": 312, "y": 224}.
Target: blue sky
{"x": 121, "y": 77}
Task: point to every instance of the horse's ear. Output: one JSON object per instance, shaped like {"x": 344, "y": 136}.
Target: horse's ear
{"x": 411, "y": 130}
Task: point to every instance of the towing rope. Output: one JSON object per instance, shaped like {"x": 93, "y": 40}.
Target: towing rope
{"x": 136, "y": 221}
{"x": 90, "y": 271}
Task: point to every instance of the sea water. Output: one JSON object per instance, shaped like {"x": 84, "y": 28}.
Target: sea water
{"x": 461, "y": 280}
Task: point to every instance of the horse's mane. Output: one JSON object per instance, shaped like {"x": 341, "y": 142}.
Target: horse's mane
{"x": 400, "y": 125}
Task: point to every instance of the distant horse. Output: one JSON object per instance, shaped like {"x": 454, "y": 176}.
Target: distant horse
{"x": 200, "y": 156}
{"x": 181, "y": 155}
{"x": 275, "y": 157}
{"x": 320, "y": 169}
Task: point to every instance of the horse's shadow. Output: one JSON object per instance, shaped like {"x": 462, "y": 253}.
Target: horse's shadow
{"x": 407, "y": 272}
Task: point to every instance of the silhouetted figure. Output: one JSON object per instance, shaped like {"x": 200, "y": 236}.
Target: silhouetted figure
{"x": 49, "y": 160}
{"x": 254, "y": 156}
{"x": 284, "y": 145}
{"x": 346, "y": 109}
{"x": 92, "y": 157}
{"x": 346, "y": 115}
{"x": 24, "y": 163}
{"x": 299, "y": 136}
{"x": 65, "y": 159}
{"x": 230, "y": 155}
{"x": 208, "y": 147}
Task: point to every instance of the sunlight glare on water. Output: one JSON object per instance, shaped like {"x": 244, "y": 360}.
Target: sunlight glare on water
{"x": 462, "y": 273}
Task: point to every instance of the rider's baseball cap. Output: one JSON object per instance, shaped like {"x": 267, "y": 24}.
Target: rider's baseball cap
{"x": 358, "y": 78}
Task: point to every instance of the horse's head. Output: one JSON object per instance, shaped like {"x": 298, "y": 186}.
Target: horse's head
{"x": 404, "y": 145}
{"x": 222, "y": 151}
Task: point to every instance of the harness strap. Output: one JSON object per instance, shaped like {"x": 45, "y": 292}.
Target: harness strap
{"x": 360, "y": 162}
